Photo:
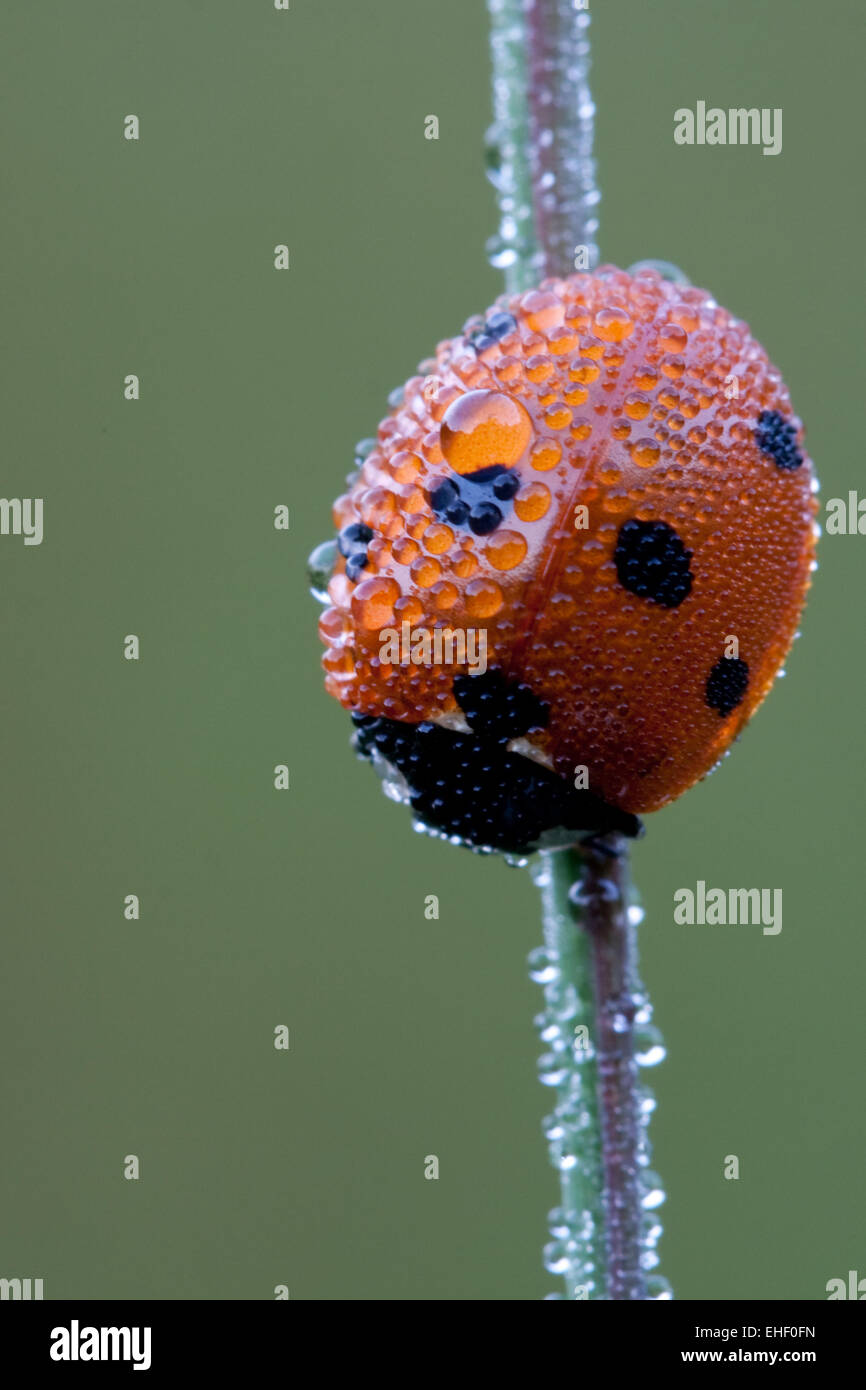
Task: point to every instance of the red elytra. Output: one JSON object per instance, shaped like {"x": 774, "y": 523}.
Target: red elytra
{"x": 605, "y": 478}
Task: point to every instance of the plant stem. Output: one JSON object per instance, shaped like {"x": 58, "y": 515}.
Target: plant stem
{"x": 603, "y": 894}
{"x": 604, "y": 1240}
{"x": 561, "y": 120}
{"x": 563, "y": 966}
{"x": 541, "y": 141}
{"x": 596, "y": 1021}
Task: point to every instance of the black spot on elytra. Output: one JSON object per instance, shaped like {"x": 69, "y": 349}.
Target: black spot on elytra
{"x": 484, "y": 518}
{"x": 777, "y": 438}
{"x": 497, "y": 708}
{"x": 498, "y": 325}
{"x": 352, "y": 543}
{"x": 727, "y": 683}
{"x": 475, "y": 501}
{"x": 484, "y": 476}
{"x": 652, "y": 562}
{"x": 505, "y": 485}
{"x": 355, "y": 564}
{"x": 471, "y": 786}
{"x": 457, "y": 514}
{"x": 353, "y": 538}
{"x": 443, "y": 495}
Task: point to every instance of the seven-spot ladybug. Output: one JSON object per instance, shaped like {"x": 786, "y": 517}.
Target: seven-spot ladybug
{"x": 602, "y": 485}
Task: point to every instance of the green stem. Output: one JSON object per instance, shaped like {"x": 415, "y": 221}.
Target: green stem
{"x": 596, "y": 1018}
{"x": 563, "y": 966}
{"x": 514, "y": 250}
{"x": 596, "y": 1025}
{"x": 540, "y": 144}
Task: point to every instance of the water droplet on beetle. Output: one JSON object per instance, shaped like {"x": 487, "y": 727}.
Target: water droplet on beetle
{"x": 320, "y": 567}
{"x": 362, "y": 451}
{"x": 666, "y": 269}
{"x": 481, "y": 428}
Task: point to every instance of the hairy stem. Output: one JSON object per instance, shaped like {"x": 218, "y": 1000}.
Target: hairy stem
{"x": 596, "y": 1020}
{"x": 597, "y": 1024}
{"x": 540, "y": 143}
{"x": 603, "y": 894}
{"x": 563, "y": 966}
{"x": 561, "y": 124}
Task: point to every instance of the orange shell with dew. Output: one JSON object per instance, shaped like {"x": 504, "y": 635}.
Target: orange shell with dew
{"x": 613, "y": 398}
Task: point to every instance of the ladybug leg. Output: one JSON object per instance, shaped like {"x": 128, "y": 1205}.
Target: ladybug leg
{"x": 599, "y": 843}
{"x": 608, "y": 843}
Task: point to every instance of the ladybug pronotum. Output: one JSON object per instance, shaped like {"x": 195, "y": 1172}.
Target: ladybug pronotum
{"x": 602, "y": 477}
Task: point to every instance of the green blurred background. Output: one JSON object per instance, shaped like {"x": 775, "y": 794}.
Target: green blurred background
{"x": 306, "y": 907}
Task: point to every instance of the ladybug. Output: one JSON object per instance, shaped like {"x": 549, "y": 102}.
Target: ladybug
{"x": 601, "y": 481}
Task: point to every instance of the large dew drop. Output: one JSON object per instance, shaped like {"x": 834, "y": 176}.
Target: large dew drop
{"x": 666, "y": 269}
{"x": 484, "y": 428}
{"x": 320, "y": 567}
